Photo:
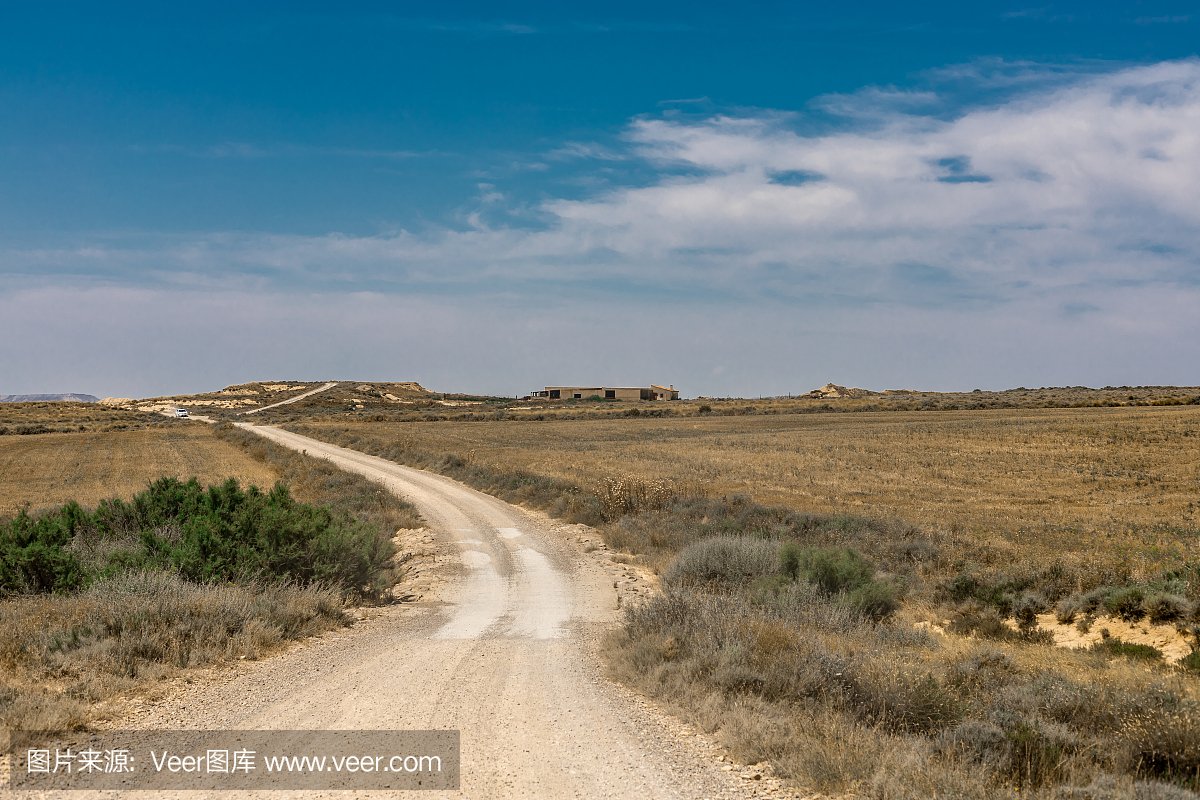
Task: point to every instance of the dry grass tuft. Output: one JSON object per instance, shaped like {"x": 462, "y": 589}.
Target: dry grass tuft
{"x": 61, "y": 655}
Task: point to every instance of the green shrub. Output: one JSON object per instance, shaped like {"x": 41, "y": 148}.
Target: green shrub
{"x": 216, "y": 534}
{"x": 789, "y": 560}
{"x": 1115, "y": 647}
{"x": 34, "y": 556}
{"x": 875, "y": 600}
{"x": 835, "y": 569}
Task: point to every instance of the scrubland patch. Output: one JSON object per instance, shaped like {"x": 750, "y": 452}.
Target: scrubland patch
{"x": 26, "y": 419}
{"x": 63, "y": 657}
{"x": 841, "y": 700}
{"x": 103, "y": 602}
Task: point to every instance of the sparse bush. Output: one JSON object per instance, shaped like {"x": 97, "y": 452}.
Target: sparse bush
{"x": 722, "y": 562}
{"x": 875, "y": 600}
{"x": 983, "y": 671}
{"x": 1164, "y": 743}
{"x": 1163, "y": 607}
{"x": 1068, "y": 609}
{"x": 139, "y": 626}
{"x": 1126, "y": 603}
{"x": 1037, "y": 751}
{"x": 984, "y": 622}
{"x": 621, "y": 496}
{"x": 1026, "y": 610}
{"x": 790, "y": 558}
{"x": 901, "y": 701}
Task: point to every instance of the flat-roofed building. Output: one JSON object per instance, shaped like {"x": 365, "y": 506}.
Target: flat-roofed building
{"x": 606, "y": 393}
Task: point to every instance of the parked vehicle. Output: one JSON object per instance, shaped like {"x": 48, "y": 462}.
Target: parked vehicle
{"x": 181, "y": 412}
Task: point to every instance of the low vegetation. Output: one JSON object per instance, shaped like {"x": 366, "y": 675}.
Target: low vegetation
{"x": 64, "y": 657}
{"x": 206, "y": 535}
{"x": 810, "y": 639}
{"x": 25, "y": 419}
{"x": 100, "y": 602}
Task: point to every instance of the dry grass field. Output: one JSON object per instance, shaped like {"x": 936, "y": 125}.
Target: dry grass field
{"x": 23, "y": 419}
{"x": 46, "y": 470}
{"x": 1032, "y": 482}
{"x": 866, "y": 599}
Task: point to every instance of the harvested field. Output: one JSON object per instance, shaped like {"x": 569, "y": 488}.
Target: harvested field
{"x": 46, "y": 470}
{"x": 1033, "y": 481}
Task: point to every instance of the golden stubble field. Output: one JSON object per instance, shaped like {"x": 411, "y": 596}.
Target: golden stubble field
{"x": 1126, "y": 479}
{"x": 46, "y": 470}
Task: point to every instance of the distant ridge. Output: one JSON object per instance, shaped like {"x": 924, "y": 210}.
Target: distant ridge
{"x": 48, "y": 398}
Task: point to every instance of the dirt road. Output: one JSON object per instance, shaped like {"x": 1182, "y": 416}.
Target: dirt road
{"x": 506, "y": 651}
{"x": 301, "y": 396}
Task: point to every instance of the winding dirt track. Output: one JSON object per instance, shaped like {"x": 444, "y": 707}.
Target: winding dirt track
{"x": 507, "y": 652}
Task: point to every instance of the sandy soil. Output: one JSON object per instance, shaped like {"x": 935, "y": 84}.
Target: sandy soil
{"x": 1173, "y": 644}
{"x": 502, "y": 644}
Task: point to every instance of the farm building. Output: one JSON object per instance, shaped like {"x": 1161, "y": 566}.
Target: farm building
{"x": 607, "y": 393}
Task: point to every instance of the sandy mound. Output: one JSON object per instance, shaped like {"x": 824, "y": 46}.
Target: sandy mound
{"x": 832, "y": 391}
{"x": 1165, "y": 636}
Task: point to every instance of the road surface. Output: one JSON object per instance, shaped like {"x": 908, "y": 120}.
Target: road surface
{"x": 504, "y": 647}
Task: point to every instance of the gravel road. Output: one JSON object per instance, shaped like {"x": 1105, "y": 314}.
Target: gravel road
{"x": 503, "y": 645}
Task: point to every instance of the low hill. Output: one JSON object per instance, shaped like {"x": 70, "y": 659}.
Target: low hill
{"x": 301, "y": 396}
{"x": 48, "y": 398}
{"x": 832, "y": 390}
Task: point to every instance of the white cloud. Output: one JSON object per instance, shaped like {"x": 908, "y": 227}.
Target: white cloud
{"x": 1052, "y": 230}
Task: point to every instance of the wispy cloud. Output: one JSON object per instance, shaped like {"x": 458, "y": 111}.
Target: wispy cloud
{"x": 1046, "y": 191}
{"x": 1065, "y": 208}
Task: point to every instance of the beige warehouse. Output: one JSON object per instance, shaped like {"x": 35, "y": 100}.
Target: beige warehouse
{"x": 653, "y": 392}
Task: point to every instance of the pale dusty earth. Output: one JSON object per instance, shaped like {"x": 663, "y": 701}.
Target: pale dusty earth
{"x": 1165, "y": 636}
{"x": 500, "y": 640}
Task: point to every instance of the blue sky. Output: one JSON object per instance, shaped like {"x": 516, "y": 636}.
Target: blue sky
{"x": 740, "y": 199}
